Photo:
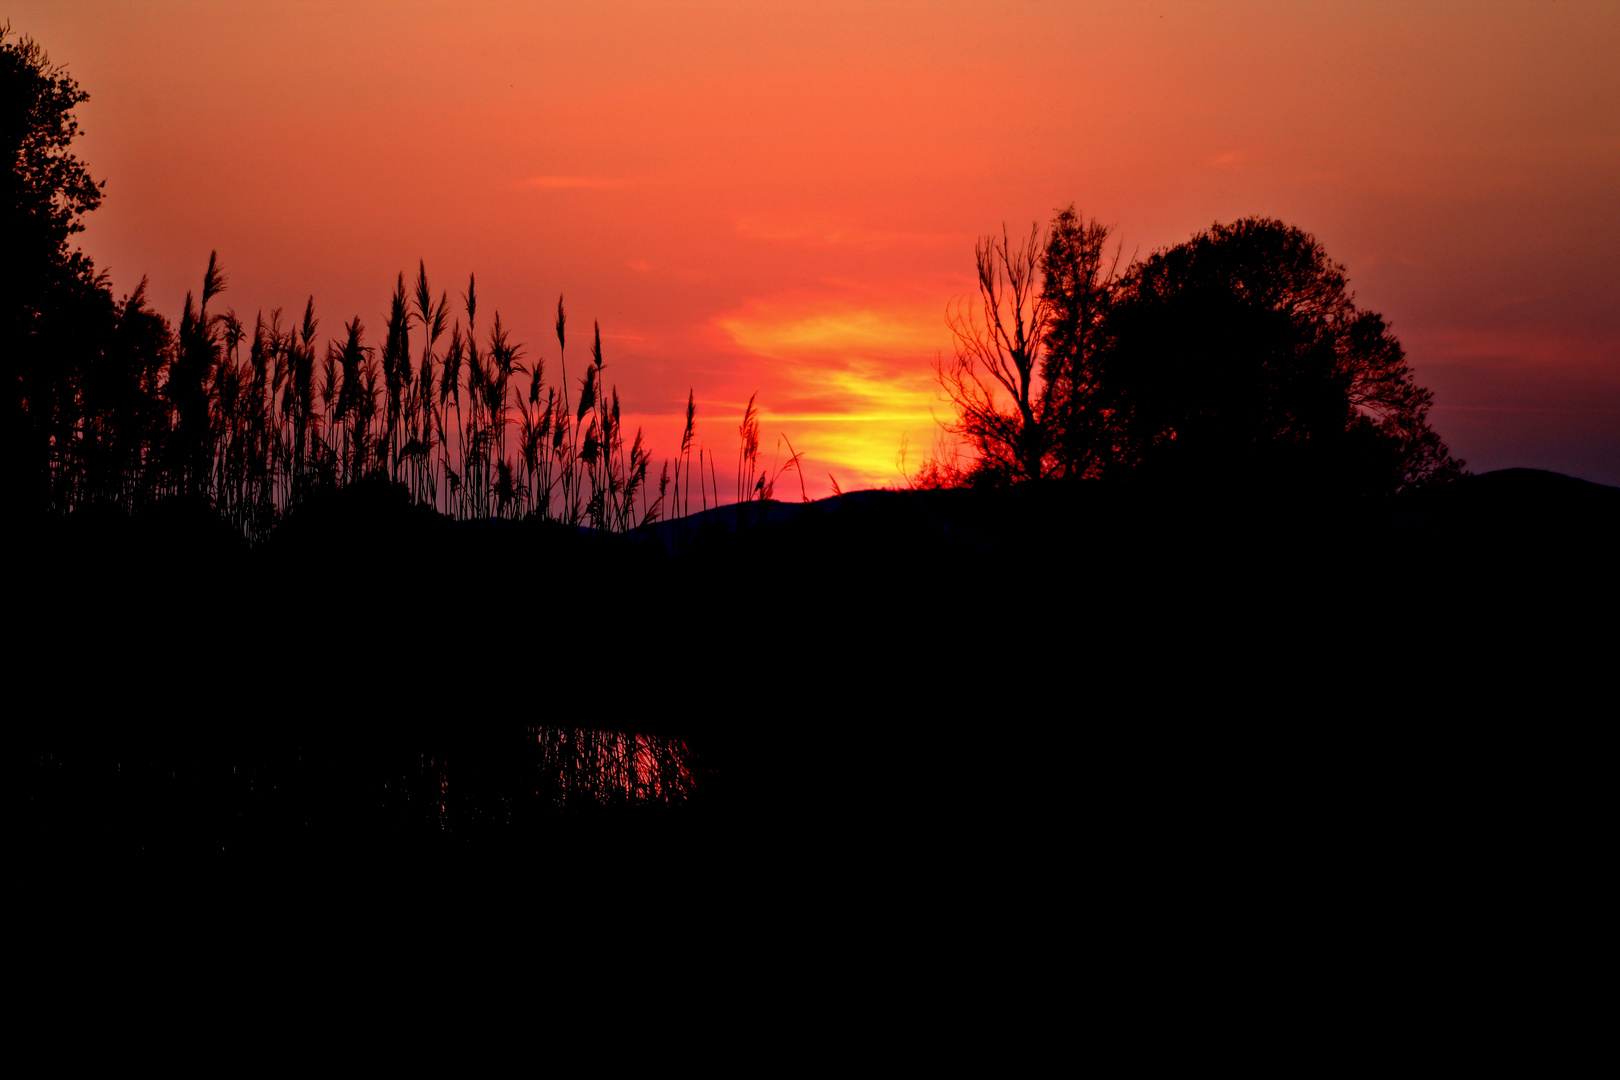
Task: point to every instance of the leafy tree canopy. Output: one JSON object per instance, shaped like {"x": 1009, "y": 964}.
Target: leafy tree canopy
{"x": 1241, "y": 353}
{"x": 1238, "y": 356}
{"x": 45, "y": 189}
{"x": 53, "y": 308}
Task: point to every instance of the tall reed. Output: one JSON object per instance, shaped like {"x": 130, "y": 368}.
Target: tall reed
{"x": 472, "y": 429}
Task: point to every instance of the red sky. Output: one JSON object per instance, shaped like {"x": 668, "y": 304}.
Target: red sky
{"x": 783, "y": 198}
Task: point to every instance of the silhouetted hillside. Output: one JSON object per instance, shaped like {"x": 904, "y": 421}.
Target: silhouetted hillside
{"x": 1521, "y": 506}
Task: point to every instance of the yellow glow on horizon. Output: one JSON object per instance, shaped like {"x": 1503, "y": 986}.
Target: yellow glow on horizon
{"x": 851, "y": 384}
{"x": 783, "y": 199}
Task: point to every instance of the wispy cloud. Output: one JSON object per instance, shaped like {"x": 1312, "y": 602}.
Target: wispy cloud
{"x": 838, "y": 331}
{"x": 847, "y": 382}
{"x": 574, "y": 183}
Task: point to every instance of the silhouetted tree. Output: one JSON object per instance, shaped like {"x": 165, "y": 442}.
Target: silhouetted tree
{"x": 1241, "y": 354}
{"x": 54, "y": 311}
{"x": 1077, "y": 289}
{"x": 999, "y": 338}
{"x": 1033, "y": 334}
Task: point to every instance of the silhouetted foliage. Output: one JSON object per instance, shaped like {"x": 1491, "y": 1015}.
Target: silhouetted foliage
{"x": 1239, "y": 355}
{"x": 1242, "y": 354}
{"x": 427, "y": 649}
{"x": 1033, "y": 333}
{"x": 1078, "y": 284}
{"x": 55, "y": 314}
{"x": 107, "y": 404}
{"x": 999, "y": 336}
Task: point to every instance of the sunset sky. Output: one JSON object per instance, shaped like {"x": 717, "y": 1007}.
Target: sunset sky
{"x": 784, "y": 198}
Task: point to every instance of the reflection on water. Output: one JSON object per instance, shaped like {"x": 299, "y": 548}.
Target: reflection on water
{"x": 192, "y": 794}
{"x": 551, "y": 768}
{"x": 603, "y": 767}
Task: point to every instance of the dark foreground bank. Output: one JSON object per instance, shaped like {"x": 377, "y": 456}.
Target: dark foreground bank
{"x": 1036, "y": 669}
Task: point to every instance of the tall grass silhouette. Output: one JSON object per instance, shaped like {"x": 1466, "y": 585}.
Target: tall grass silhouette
{"x": 258, "y": 421}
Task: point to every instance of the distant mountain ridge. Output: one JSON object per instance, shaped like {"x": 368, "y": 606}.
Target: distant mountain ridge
{"x": 1549, "y": 499}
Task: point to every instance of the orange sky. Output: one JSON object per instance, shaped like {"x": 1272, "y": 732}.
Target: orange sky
{"x": 784, "y": 198}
